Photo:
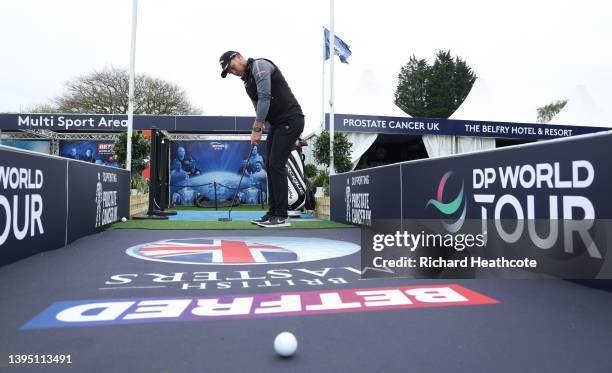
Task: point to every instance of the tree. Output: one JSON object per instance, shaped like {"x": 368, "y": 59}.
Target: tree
{"x": 140, "y": 151}
{"x": 342, "y": 151}
{"x": 106, "y": 92}
{"x": 463, "y": 80}
{"x": 48, "y": 108}
{"x": 440, "y": 91}
{"x": 433, "y": 91}
{"x": 547, "y": 112}
{"x": 411, "y": 93}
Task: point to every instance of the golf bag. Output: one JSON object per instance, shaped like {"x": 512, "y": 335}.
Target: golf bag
{"x": 301, "y": 190}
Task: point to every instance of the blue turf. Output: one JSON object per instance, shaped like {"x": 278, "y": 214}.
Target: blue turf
{"x": 236, "y": 215}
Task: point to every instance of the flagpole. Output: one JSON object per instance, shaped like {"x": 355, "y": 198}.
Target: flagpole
{"x": 332, "y": 52}
{"x": 323, "y": 84}
{"x": 130, "y": 113}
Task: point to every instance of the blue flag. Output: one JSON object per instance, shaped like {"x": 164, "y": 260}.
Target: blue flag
{"x": 341, "y": 48}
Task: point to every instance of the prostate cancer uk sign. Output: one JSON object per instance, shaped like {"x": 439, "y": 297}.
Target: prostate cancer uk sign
{"x": 455, "y": 127}
{"x": 343, "y": 123}
{"x": 538, "y": 210}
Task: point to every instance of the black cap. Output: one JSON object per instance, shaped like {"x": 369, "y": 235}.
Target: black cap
{"x": 225, "y": 60}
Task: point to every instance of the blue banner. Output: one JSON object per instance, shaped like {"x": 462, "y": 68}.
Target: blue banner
{"x": 343, "y": 123}
{"x": 451, "y": 127}
{"x": 98, "y": 152}
{"x": 40, "y": 146}
{"x": 211, "y": 170}
{"x": 118, "y": 123}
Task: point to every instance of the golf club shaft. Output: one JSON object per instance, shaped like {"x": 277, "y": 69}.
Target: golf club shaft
{"x": 229, "y": 215}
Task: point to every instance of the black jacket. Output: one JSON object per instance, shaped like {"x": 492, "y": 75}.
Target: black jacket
{"x": 283, "y": 104}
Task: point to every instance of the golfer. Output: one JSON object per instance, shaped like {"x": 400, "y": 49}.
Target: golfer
{"x": 274, "y": 103}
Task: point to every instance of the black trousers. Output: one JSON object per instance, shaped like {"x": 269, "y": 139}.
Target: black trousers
{"x": 279, "y": 145}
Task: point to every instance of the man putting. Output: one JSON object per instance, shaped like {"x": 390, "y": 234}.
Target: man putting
{"x": 274, "y": 103}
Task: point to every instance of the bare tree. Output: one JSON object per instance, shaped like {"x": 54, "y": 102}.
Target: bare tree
{"x": 48, "y": 108}
{"x": 106, "y": 92}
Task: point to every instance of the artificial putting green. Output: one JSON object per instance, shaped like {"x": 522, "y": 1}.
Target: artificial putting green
{"x": 236, "y": 208}
{"x": 220, "y": 225}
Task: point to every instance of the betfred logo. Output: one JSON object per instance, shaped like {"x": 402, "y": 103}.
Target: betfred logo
{"x": 249, "y": 306}
{"x": 242, "y": 250}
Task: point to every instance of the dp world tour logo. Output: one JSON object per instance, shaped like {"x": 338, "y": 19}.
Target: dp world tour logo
{"x": 241, "y": 250}
{"x": 450, "y": 208}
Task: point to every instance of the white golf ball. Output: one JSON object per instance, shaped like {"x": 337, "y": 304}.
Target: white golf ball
{"x": 123, "y": 219}
{"x": 285, "y": 344}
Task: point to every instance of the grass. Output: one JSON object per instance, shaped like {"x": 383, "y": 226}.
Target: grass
{"x": 220, "y": 225}
{"x": 236, "y": 208}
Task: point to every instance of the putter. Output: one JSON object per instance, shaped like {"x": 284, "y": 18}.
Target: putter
{"x": 229, "y": 215}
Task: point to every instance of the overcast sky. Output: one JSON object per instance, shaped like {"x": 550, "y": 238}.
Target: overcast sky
{"x": 529, "y": 52}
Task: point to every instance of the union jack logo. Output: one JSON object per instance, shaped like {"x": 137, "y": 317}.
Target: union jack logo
{"x": 217, "y": 251}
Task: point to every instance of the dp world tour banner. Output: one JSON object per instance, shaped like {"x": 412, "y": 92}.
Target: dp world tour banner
{"x": 541, "y": 209}
{"x": 47, "y": 202}
{"x": 98, "y": 152}
{"x": 209, "y": 171}
{"x": 32, "y": 204}
{"x": 451, "y": 127}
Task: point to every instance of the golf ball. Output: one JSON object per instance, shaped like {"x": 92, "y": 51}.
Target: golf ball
{"x": 285, "y": 344}
{"x": 123, "y": 219}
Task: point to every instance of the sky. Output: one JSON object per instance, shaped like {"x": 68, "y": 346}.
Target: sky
{"x": 529, "y": 52}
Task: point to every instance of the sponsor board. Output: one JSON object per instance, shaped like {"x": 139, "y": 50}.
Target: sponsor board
{"x": 32, "y": 204}
{"x": 97, "y": 196}
{"x": 453, "y": 127}
{"x": 540, "y": 204}
{"x": 251, "y": 306}
{"x": 47, "y": 202}
{"x": 365, "y": 196}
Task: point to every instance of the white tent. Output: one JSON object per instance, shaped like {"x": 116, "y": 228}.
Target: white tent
{"x": 581, "y": 110}
{"x": 478, "y": 105}
{"x": 363, "y": 93}
{"x": 366, "y": 97}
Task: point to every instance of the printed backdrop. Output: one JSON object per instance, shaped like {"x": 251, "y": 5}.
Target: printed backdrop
{"x": 212, "y": 169}
{"x": 99, "y": 152}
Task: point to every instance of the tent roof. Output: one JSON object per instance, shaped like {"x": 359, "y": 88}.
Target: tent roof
{"x": 581, "y": 110}
{"x": 363, "y": 93}
{"x": 481, "y": 104}
{"x": 478, "y": 105}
